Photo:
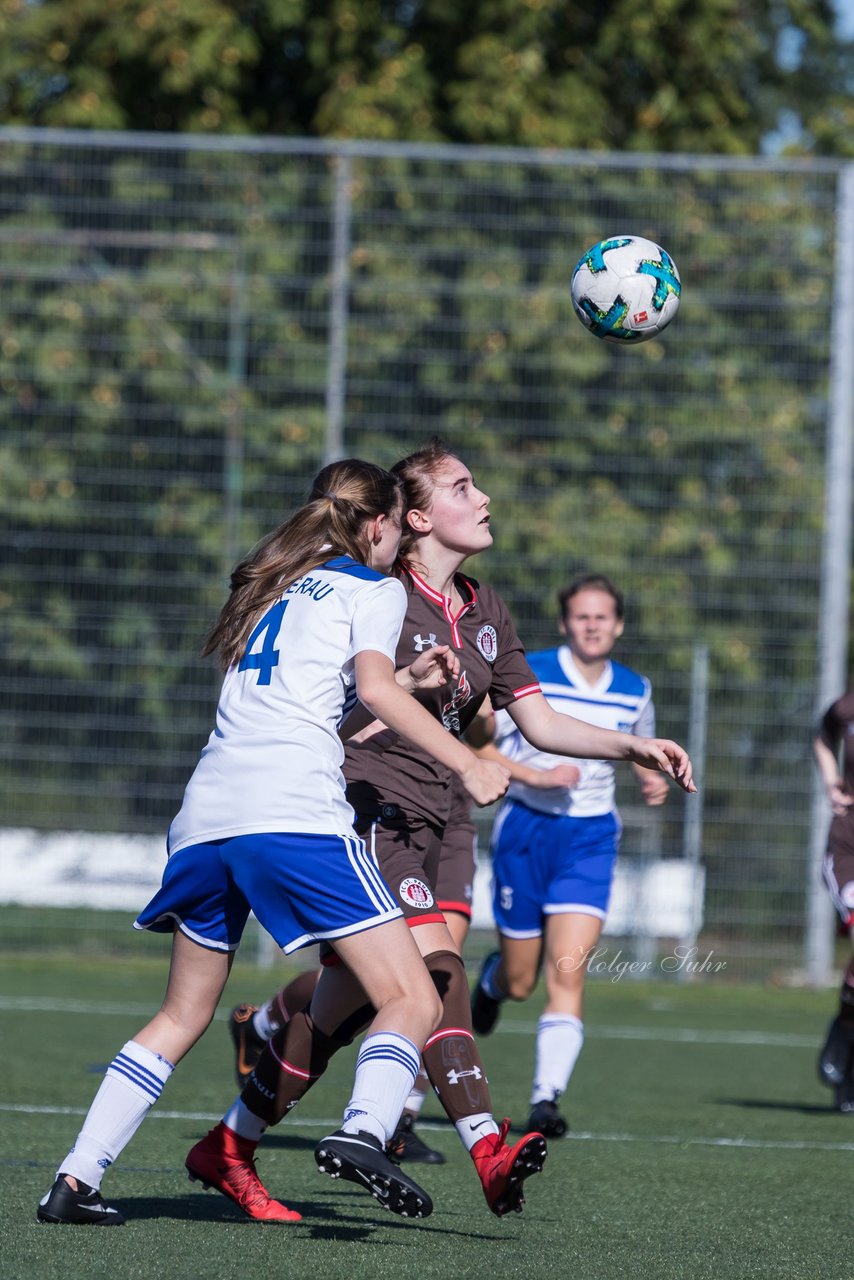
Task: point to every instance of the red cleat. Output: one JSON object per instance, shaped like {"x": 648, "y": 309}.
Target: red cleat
{"x": 225, "y": 1161}
{"x": 503, "y": 1169}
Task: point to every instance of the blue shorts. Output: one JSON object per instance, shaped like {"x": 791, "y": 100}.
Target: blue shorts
{"x": 302, "y": 888}
{"x": 544, "y": 865}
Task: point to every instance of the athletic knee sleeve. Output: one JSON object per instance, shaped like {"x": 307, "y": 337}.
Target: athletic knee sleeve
{"x": 448, "y": 972}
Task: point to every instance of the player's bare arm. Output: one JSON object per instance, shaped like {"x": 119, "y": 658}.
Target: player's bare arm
{"x": 560, "y": 775}
{"x": 484, "y": 780}
{"x": 551, "y": 731}
{"x": 654, "y": 785}
{"x": 430, "y": 670}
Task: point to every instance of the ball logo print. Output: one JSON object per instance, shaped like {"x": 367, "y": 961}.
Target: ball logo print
{"x": 625, "y": 289}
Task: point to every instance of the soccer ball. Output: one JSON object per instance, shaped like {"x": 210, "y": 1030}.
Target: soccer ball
{"x": 625, "y": 289}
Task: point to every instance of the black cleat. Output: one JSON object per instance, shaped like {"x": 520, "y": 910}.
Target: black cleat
{"x": 248, "y": 1045}
{"x": 83, "y": 1206}
{"x": 547, "y": 1120}
{"x": 836, "y": 1054}
{"x": 360, "y": 1158}
{"x": 484, "y": 1010}
{"x": 406, "y": 1145}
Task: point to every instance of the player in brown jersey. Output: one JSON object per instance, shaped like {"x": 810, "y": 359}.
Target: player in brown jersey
{"x": 251, "y": 1026}
{"x": 402, "y": 799}
{"x": 834, "y": 740}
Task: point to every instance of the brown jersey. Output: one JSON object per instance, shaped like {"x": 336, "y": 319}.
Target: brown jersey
{"x": 492, "y": 661}
{"x": 837, "y": 729}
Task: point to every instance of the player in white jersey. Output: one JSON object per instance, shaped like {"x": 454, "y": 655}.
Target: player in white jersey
{"x": 554, "y": 848}
{"x": 265, "y": 827}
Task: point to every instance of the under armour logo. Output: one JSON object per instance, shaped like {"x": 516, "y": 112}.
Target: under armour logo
{"x": 420, "y": 644}
{"x": 454, "y": 1077}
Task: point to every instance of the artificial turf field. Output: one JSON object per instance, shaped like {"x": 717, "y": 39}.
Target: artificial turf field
{"x": 702, "y": 1145}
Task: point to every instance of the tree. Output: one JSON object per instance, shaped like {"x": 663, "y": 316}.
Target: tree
{"x": 637, "y": 75}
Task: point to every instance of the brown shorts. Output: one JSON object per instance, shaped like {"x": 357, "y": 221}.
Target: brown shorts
{"x": 457, "y": 863}
{"x": 839, "y": 868}
{"x": 406, "y": 849}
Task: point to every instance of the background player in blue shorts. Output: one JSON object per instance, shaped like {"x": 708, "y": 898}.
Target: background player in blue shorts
{"x": 265, "y": 826}
{"x": 554, "y": 850}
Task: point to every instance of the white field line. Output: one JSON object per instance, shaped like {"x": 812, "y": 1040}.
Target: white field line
{"x": 673, "y": 1035}
{"x": 332, "y": 1122}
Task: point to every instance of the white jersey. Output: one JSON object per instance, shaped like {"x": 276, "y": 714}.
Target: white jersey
{"x": 620, "y": 699}
{"x": 273, "y": 761}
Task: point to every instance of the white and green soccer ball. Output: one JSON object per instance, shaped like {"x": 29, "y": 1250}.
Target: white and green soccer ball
{"x": 625, "y": 289}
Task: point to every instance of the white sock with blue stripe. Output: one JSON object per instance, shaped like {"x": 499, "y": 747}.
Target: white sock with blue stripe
{"x": 133, "y": 1082}
{"x": 386, "y": 1068}
{"x": 560, "y": 1037}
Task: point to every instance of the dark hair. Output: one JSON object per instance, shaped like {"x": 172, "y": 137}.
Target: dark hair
{"x": 343, "y": 497}
{"x": 591, "y": 582}
{"x": 417, "y": 474}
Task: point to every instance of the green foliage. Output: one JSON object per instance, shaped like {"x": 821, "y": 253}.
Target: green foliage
{"x": 632, "y": 75}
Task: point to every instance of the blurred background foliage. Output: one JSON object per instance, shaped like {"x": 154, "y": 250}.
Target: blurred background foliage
{"x": 166, "y": 361}
{"x": 633, "y": 75}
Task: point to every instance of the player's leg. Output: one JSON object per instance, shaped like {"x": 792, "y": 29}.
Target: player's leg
{"x": 407, "y": 1010}
{"x": 510, "y": 973}
{"x": 569, "y": 939}
{"x": 454, "y": 890}
{"x": 206, "y": 915}
{"x": 251, "y": 1026}
{"x": 406, "y": 1144}
{"x": 134, "y": 1081}
{"x": 311, "y": 887}
{"x": 836, "y": 1058}
{"x": 580, "y": 858}
{"x": 456, "y": 1071}
{"x": 407, "y": 852}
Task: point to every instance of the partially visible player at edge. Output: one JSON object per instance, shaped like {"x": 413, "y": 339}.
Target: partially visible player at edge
{"x": 835, "y": 738}
{"x": 265, "y": 826}
{"x": 554, "y": 851}
{"x": 402, "y": 799}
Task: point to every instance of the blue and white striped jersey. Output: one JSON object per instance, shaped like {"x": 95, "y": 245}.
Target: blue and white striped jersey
{"x": 273, "y": 761}
{"x": 621, "y": 699}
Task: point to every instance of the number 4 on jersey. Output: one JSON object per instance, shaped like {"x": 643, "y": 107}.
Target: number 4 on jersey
{"x": 267, "y": 656}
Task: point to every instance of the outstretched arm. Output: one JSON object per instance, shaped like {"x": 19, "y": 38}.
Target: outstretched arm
{"x": 564, "y": 735}
{"x": 559, "y": 775}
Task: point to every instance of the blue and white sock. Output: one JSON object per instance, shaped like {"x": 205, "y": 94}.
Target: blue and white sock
{"x": 386, "y": 1068}
{"x": 559, "y": 1040}
{"x": 133, "y": 1082}
{"x": 415, "y": 1101}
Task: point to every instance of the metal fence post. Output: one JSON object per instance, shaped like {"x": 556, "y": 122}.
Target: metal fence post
{"x": 339, "y": 298}
{"x": 835, "y": 569}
